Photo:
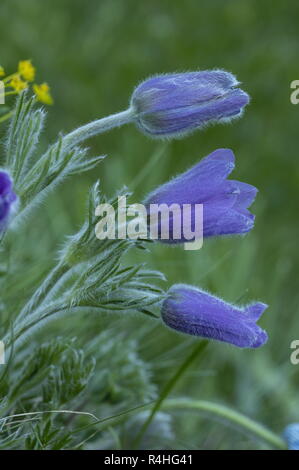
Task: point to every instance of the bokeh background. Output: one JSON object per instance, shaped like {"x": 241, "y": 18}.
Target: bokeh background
{"x": 92, "y": 54}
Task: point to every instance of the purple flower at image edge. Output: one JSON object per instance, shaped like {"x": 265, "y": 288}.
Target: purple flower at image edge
{"x": 225, "y": 202}
{"x": 8, "y": 199}
{"x": 173, "y": 105}
{"x": 190, "y": 310}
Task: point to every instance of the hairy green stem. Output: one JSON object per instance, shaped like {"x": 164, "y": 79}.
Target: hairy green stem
{"x": 68, "y": 142}
{"x": 97, "y": 127}
{"x": 30, "y": 323}
{"x": 44, "y": 289}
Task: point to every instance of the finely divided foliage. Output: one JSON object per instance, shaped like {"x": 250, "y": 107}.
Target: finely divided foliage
{"x": 35, "y": 177}
{"x": 74, "y": 376}
{"x": 89, "y": 278}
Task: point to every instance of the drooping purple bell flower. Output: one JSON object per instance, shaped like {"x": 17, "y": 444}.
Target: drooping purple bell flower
{"x": 225, "y": 202}
{"x": 8, "y": 199}
{"x": 291, "y": 435}
{"x": 190, "y": 310}
{"x": 176, "y": 104}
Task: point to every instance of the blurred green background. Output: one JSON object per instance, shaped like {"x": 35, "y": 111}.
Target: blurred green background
{"x": 92, "y": 54}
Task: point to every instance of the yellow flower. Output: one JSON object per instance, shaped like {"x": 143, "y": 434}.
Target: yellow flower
{"x": 42, "y": 93}
{"x": 2, "y": 72}
{"x": 26, "y": 70}
{"x": 17, "y": 83}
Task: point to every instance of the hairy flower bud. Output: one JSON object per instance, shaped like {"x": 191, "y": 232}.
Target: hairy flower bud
{"x": 196, "y": 312}
{"x": 224, "y": 201}
{"x": 174, "y": 105}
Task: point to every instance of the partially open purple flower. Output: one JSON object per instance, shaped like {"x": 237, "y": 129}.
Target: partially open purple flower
{"x": 195, "y": 312}
{"x": 175, "y": 104}
{"x": 7, "y": 199}
{"x": 225, "y": 202}
{"x": 291, "y": 435}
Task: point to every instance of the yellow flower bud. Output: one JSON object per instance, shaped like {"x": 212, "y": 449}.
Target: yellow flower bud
{"x": 26, "y": 70}
{"x": 42, "y": 93}
{"x": 17, "y": 83}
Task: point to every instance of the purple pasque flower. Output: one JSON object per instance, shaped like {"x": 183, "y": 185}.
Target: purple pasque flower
{"x": 8, "y": 199}
{"x": 224, "y": 201}
{"x": 291, "y": 435}
{"x": 190, "y": 310}
{"x": 173, "y": 105}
